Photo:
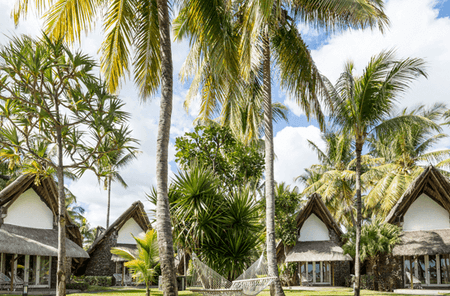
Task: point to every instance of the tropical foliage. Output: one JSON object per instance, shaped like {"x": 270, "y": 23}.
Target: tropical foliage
{"x": 377, "y": 239}
{"x": 361, "y": 106}
{"x": 222, "y": 227}
{"x": 143, "y": 265}
{"x": 54, "y": 106}
{"x": 218, "y": 149}
{"x": 401, "y": 155}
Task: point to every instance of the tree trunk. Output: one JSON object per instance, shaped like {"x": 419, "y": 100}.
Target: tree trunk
{"x": 377, "y": 276}
{"x": 275, "y": 289}
{"x": 109, "y": 202}
{"x": 147, "y": 290}
{"x": 358, "y": 217}
{"x": 163, "y": 223}
{"x": 61, "y": 270}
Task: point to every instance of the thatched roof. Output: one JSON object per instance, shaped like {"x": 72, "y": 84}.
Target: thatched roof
{"x": 30, "y": 241}
{"x": 316, "y": 206}
{"x": 429, "y": 242}
{"x": 432, "y": 183}
{"x": 135, "y": 211}
{"x": 317, "y": 251}
{"x": 320, "y": 250}
{"x": 127, "y": 247}
{"x": 47, "y": 191}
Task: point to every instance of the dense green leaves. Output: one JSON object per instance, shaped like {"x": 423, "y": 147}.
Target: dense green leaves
{"x": 142, "y": 266}
{"x": 222, "y": 227}
{"x": 216, "y": 148}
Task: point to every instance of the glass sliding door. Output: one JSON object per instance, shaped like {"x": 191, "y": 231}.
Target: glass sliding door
{"x": 317, "y": 272}
{"x": 44, "y": 270}
{"x": 326, "y": 272}
{"x": 432, "y": 270}
{"x": 445, "y": 269}
{"x": 310, "y": 272}
{"x": 32, "y": 269}
{"x": 421, "y": 269}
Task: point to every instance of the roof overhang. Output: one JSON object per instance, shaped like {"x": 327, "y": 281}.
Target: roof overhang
{"x": 317, "y": 251}
{"x": 31, "y": 241}
{"x": 424, "y": 242}
{"x": 132, "y": 249}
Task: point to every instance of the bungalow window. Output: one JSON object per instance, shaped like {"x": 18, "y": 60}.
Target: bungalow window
{"x": 318, "y": 272}
{"x": 35, "y": 270}
{"x": 428, "y": 269}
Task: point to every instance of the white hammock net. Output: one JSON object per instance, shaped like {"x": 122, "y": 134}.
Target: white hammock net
{"x": 251, "y": 282}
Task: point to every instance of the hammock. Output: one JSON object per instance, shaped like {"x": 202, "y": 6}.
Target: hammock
{"x": 250, "y": 283}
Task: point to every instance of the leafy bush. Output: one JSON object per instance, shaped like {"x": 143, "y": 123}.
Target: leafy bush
{"x": 77, "y": 286}
{"x": 104, "y": 281}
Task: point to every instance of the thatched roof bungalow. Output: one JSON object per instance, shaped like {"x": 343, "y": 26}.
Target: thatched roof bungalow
{"x": 29, "y": 232}
{"x": 134, "y": 221}
{"x": 423, "y": 212}
{"x": 318, "y": 250}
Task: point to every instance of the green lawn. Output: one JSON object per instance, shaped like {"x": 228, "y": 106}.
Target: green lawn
{"x": 112, "y": 291}
{"x": 156, "y": 292}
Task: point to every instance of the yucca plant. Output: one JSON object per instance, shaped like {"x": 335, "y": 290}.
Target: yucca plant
{"x": 142, "y": 266}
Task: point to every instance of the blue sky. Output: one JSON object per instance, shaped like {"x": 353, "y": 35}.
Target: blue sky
{"x": 419, "y": 28}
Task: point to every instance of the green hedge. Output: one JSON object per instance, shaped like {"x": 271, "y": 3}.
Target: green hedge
{"x": 77, "y": 286}
{"x": 104, "y": 281}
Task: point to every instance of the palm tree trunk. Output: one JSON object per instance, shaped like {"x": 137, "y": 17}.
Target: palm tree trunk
{"x": 275, "y": 289}
{"x": 358, "y": 216}
{"x": 109, "y": 202}
{"x": 61, "y": 270}
{"x": 163, "y": 223}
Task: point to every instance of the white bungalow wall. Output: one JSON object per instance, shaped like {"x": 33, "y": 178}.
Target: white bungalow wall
{"x": 28, "y": 210}
{"x": 313, "y": 229}
{"x": 425, "y": 214}
{"x": 130, "y": 227}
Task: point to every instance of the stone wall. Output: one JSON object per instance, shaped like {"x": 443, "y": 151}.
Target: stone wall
{"x": 341, "y": 272}
{"x": 390, "y": 273}
{"x": 100, "y": 263}
{"x": 341, "y": 268}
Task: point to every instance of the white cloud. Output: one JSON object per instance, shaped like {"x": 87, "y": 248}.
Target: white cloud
{"x": 415, "y": 31}
{"x": 293, "y": 153}
{"x": 293, "y": 107}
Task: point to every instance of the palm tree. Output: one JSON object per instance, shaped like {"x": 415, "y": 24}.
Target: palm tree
{"x": 108, "y": 166}
{"x": 266, "y": 32}
{"x": 142, "y": 266}
{"x": 141, "y": 27}
{"x": 335, "y": 180}
{"x": 361, "y": 106}
{"x": 377, "y": 238}
{"x": 400, "y": 154}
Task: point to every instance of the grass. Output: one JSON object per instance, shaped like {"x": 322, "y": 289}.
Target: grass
{"x": 156, "y": 292}
{"x": 131, "y": 291}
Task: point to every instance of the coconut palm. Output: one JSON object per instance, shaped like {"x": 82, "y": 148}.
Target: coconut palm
{"x": 361, "y": 106}
{"x": 402, "y": 155}
{"x": 122, "y": 154}
{"x": 336, "y": 180}
{"x": 143, "y": 265}
{"x": 268, "y": 33}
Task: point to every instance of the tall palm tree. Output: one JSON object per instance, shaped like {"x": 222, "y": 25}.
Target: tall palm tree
{"x": 267, "y": 33}
{"x": 400, "y": 154}
{"x": 141, "y": 27}
{"x": 361, "y": 106}
{"x": 122, "y": 153}
{"x": 336, "y": 183}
